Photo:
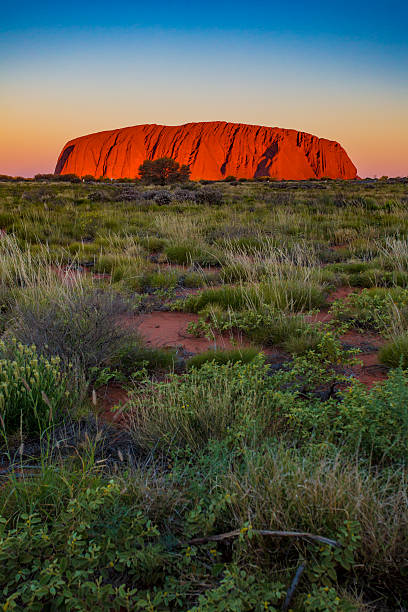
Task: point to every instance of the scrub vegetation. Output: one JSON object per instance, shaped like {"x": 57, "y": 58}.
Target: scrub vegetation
{"x": 269, "y": 474}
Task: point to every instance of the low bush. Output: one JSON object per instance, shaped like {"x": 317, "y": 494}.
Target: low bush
{"x": 113, "y": 553}
{"x": 373, "y": 421}
{"x": 374, "y": 309}
{"x": 395, "y": 353}
{"x": 34, "y": 391}
{"x": 133, "y": 356}
{"x": 184, "y": 195}
{"x": 81, "y": 328}
{"x": 209, "y": 195}
{"x": 119, "y": 558}
{"x": 207, "y": 403}
{"x": 267, "y": 326}
{"x": 163, "y": 197}
{"x": 101, "y": 196}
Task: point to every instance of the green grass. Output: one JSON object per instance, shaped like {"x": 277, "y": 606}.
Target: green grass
{"x": 285, "y": 295}
{"x": 243, "y": 355}
{"x": 395, "y": 353}
{"x": 98, "y": 507}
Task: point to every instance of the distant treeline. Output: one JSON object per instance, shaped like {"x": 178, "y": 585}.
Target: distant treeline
{"x": 73, "y": 178}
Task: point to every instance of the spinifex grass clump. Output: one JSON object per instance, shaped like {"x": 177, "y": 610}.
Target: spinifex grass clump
{"x": 395, "y": 352}
{"x": 188, "y": 411}
{"x": 239, "y": 355}
{"x": 33, "y": 389}
{"x": 286, "y": 295}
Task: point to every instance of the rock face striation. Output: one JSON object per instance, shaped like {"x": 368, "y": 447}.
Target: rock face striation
{"x": 213, "y": 150}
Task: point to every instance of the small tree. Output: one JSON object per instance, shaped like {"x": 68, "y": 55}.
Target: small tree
{"x": 163, "y": 171}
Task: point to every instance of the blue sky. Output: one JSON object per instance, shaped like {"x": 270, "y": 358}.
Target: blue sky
{"x": 380, "y": 22}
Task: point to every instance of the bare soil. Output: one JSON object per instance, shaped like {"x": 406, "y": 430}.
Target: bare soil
{"x": 163, "y": 329}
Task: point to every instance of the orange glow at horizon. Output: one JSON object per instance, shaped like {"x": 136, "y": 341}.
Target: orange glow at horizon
{"x": 54, "y": 94}
{"x": 31, "y": 150}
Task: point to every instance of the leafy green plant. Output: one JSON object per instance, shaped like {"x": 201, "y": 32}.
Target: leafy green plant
{"x": 34, "y": 391}
{"x": 241, "y": 590}
{"x": 373, "y": 421}
{"x": 372, "y": 308}
{"x": 268, "y": 326}
{"x": 93, "y": 555}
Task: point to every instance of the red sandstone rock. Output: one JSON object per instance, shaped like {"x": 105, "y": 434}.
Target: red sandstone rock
{"x": 213, "y": 150}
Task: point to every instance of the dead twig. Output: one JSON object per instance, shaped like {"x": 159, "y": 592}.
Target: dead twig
{"x": 265, "y": 532}
{"x": 293, "y": 586}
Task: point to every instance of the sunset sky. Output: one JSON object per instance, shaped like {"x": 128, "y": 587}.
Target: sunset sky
{"x": 338, "y": 70}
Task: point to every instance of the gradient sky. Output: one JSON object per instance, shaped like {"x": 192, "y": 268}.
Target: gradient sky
{"x": 335, "y": 69}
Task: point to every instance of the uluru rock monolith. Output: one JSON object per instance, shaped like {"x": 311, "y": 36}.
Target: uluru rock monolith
{"x": 213, "y": 150}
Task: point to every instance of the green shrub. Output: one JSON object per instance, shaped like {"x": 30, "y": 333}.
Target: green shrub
{"x": 373, "y": 308}
{"x": 119, "y": 558}
{"x": 241, "y": 355}
{"x": 33, "y": 390}
{"x": 95, "y": 555}
{"x": 213, "y": 401}
{"x": 133, "y": 356}
{"x": 374, "y": 422}
{"x": 395, "y": 353}
{"x": 266, "y": 326}
{"x": 80, "y": 326}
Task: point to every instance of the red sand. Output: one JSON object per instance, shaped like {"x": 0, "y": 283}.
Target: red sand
{"x": 169, "y": 329}
{"x": 107, "y": 397}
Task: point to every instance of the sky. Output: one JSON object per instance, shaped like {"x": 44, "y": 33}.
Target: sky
{"x": 338, "y": 70}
